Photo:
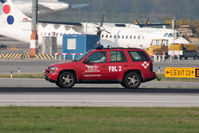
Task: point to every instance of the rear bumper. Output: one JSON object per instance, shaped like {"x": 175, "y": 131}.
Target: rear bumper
{"x": 149, "y": 79}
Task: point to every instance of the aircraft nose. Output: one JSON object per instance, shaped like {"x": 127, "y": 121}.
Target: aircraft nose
{"x": 181, "y": 40}
{"x": 2, "y": 1}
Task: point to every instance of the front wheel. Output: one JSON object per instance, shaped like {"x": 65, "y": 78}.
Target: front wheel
{"x": 66, "y": 80}
{"x": 132, "y": 80}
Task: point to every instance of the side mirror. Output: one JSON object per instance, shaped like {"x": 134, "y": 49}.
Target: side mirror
{"x": 86, "y": 61}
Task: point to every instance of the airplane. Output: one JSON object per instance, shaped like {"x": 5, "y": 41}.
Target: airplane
{"x": 130, "y": 35}
{"x": 14, "y": 24}
{"x": 45, "y": 6}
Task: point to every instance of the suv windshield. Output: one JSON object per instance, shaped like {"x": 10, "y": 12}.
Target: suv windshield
{"x": 138, "y": 56}
{"x": 81, "y": 57}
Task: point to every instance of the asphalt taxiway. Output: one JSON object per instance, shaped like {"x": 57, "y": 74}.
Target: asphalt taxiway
{"x": 38, "y": 92}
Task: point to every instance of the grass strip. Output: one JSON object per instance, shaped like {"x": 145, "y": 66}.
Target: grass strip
{"x": 98, "y": 120}
{"x": 163, "y": 78}
{"x": 22, "y": 75}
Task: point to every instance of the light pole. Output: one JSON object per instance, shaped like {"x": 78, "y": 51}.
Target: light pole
{"x": 34, "y": 36}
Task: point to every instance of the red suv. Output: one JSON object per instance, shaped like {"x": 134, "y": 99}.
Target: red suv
{"x": 130, "y": 67}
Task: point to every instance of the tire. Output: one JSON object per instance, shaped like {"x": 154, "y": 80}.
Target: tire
{"x": 122, "y": 84}
{"x": 132, "y": 80}
{"x": 195, "y": 57}
{"x": 180, "y": 57}
{"x": 57, "y": 83}
{"x": 66, "y": 80}
{"x": 185, "y": 58}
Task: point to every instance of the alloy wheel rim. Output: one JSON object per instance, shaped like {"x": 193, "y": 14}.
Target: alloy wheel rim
{"x": 132, "y": 80}
{"x": 67, "y": 80}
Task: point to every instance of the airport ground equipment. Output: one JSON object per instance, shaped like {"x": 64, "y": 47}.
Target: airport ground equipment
{"x": 184, "y": 50}
{"x": 158, "y": 49}
{"x": 77, "y": 44}
{"x": 129, "y": 67}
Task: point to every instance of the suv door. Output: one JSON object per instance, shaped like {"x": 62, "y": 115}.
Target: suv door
{"x": 118, "y": 64}
{"x": 95, "y": 66}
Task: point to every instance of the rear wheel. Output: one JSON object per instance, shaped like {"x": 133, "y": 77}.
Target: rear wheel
{"x": 195, "y": 57}
{"x": 132, "y": 80}
{"x": 180, "y": 57}
{"x": 66, "y": 80}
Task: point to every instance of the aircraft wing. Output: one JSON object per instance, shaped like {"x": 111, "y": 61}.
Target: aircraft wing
{"x": 55, "y": 6}
{"x": 63, "y": 23}
{"x": 43, "y": 9}
{"x": 153, "y": 25}
{"x": 78, "y": 5}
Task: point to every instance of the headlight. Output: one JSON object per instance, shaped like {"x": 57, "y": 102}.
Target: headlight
{"x": 51, "y": 69}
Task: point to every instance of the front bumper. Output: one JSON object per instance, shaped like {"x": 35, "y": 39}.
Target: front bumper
{"x": 47, "y": 77}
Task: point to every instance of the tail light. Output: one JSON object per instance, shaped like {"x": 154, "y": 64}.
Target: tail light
{"x": 151, "y": 67}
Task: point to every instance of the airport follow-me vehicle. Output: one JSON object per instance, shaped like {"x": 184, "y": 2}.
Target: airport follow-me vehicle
{"x": 129, "y": 66}
{"x": 14, "y": 24}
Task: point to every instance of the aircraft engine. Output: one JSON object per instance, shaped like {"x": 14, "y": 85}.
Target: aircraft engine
{"x": 90, "y": 28}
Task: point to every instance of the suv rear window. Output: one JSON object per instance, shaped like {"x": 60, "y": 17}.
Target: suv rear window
{"x": 138, "y": 56}
{"x": 118, "y": 56}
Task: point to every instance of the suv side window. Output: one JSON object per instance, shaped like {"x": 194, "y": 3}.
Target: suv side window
{"x": 98, "y": 57}
{"x": 118, "y": 56}
{"x": 138, "y": 56}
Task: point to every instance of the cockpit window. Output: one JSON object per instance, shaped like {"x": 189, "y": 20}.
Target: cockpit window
{"x": 166, "y": 34}
{"x": 178, "y": 34}
{"x": 170, "y": 35}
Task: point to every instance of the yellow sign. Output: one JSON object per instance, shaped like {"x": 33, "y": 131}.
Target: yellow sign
{"x": 197, "y": 72}
{"x": 181, "y": 72}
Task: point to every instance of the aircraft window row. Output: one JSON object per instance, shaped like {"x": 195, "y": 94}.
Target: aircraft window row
{"x": 122, "y": 36}
{"x": 50, "y": 34}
